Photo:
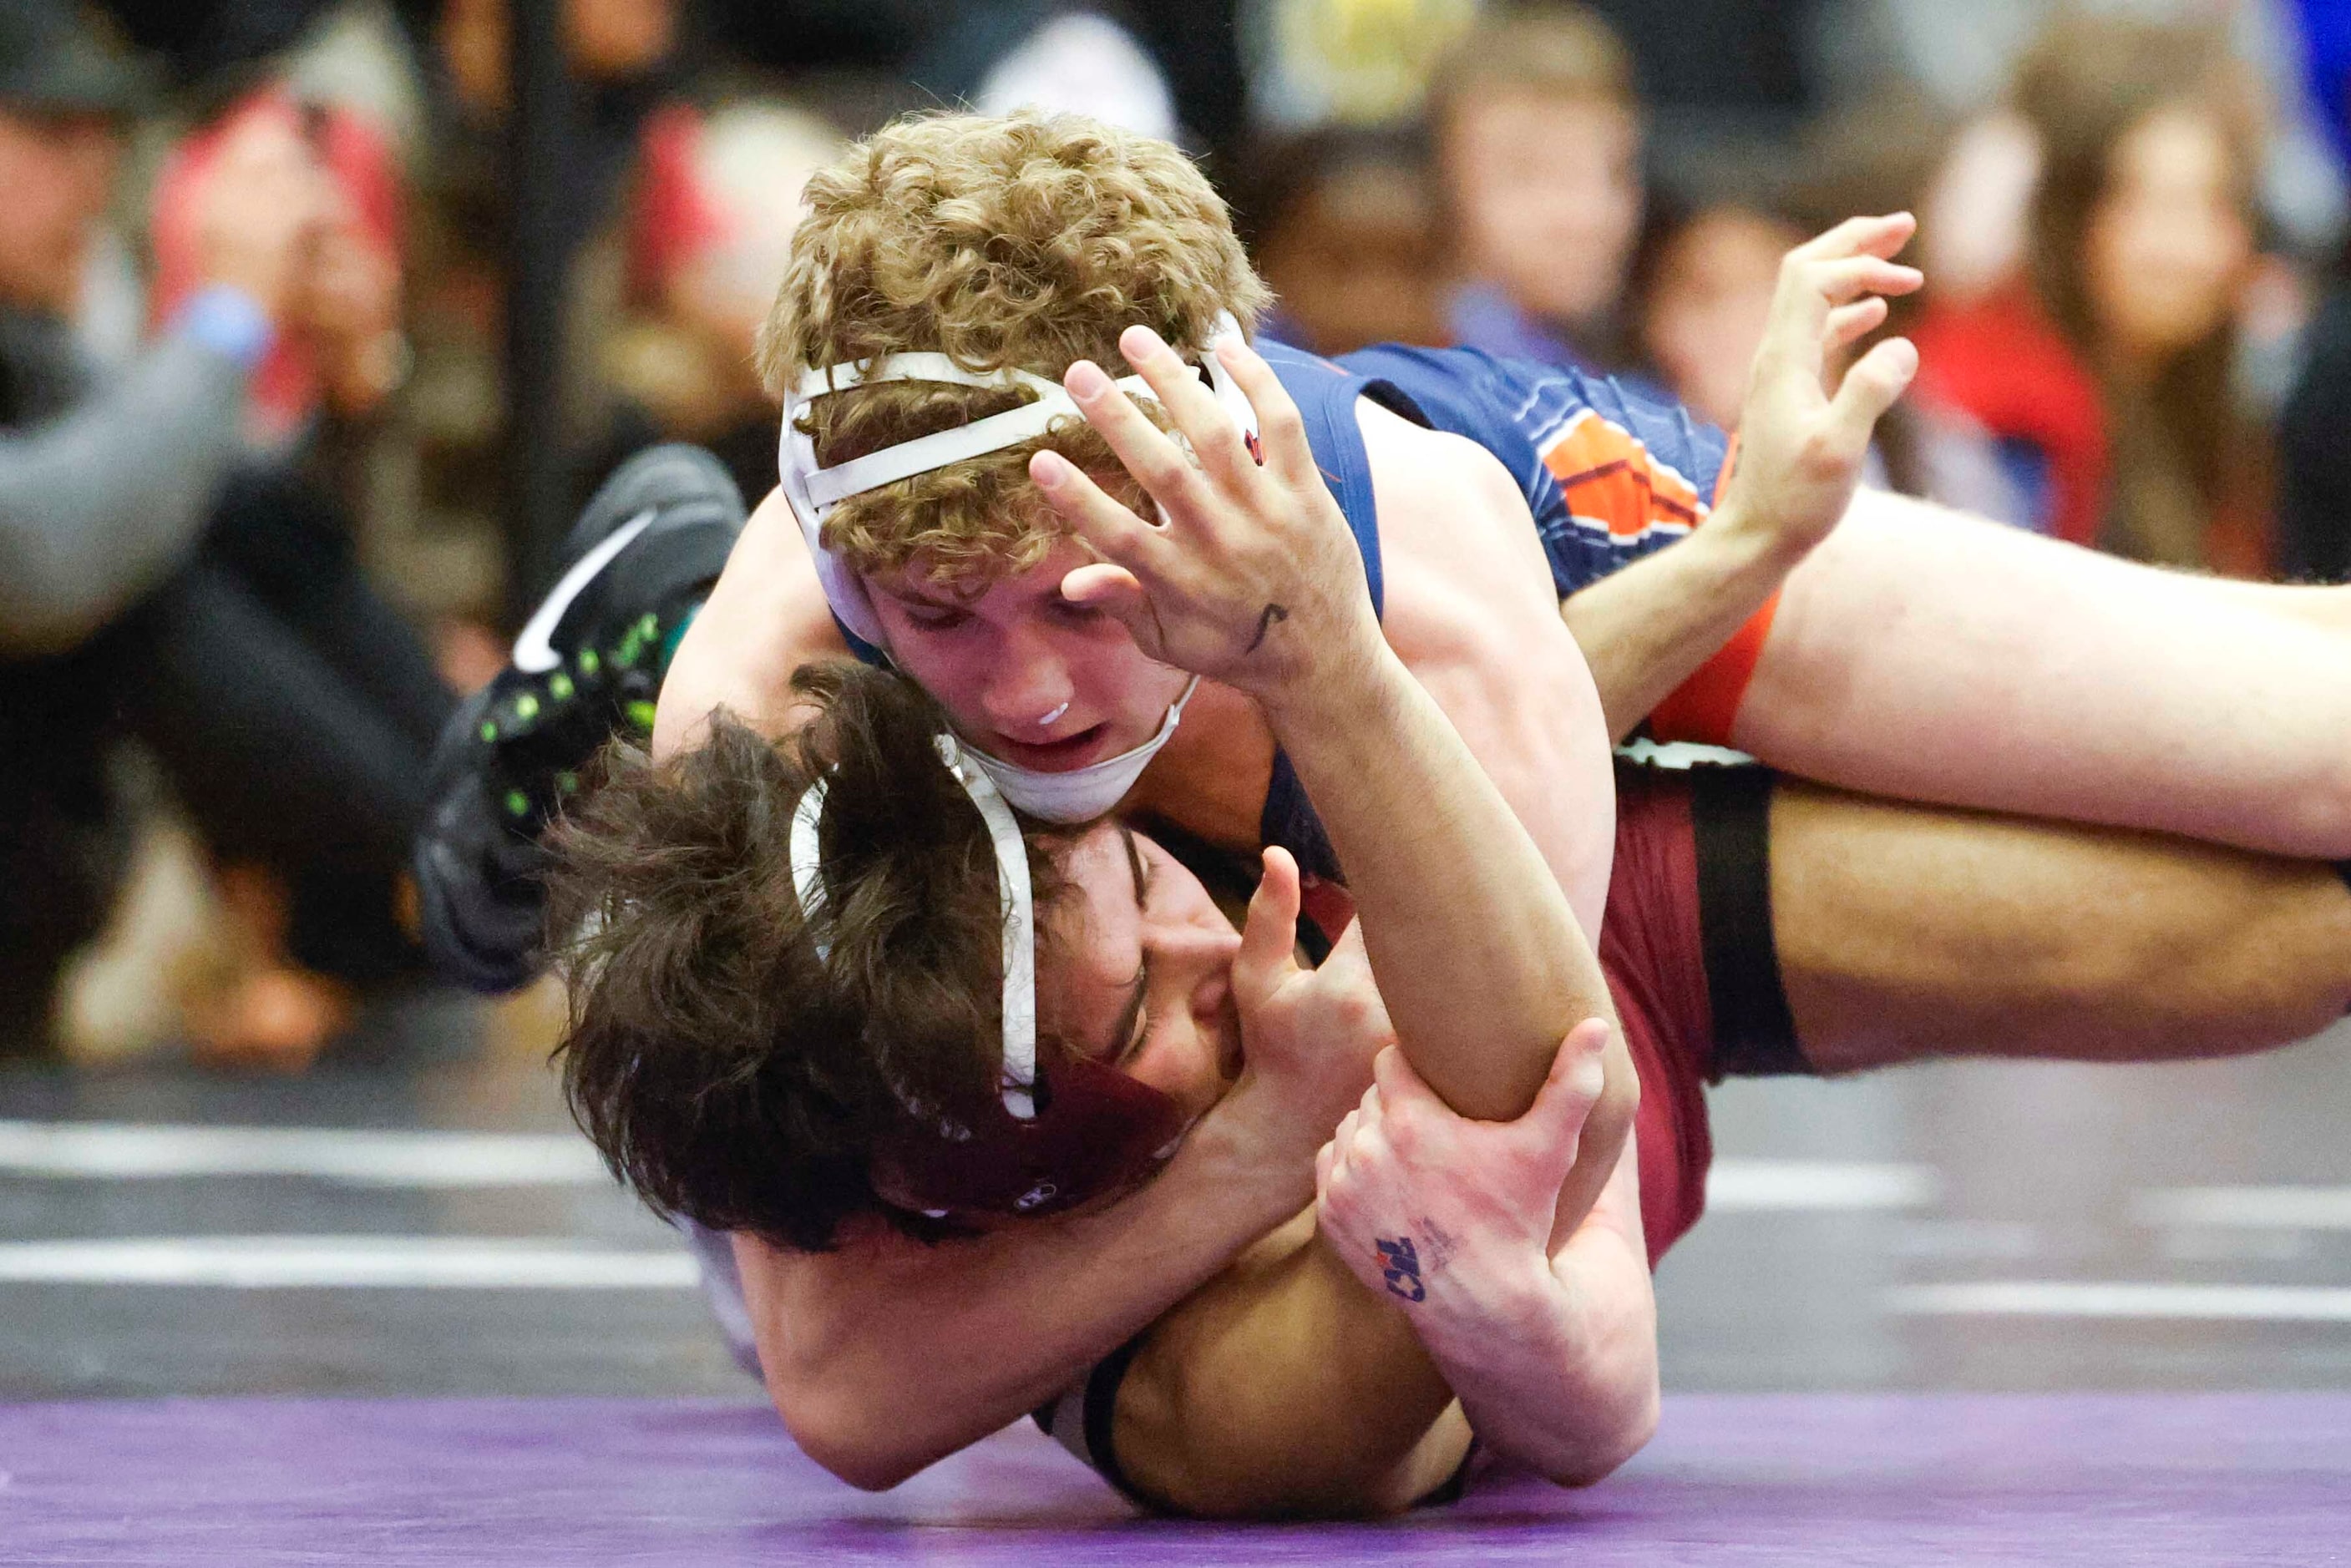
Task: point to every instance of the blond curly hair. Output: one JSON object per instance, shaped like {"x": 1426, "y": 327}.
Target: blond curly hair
{"x": 1024, "y": 241}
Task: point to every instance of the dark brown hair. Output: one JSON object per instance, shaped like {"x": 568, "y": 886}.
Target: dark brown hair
{"x": 2085, "y": 84}
{"x": 726, "y": 1073}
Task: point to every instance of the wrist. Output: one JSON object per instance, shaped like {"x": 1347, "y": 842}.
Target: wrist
{"x": 1494, "y": 1293}
{"x": 1745, "y": 544}
{"x": 1251, "y": 1149}
{"x": 1340, "y": 674}
{"x": 1521, "y": 1323}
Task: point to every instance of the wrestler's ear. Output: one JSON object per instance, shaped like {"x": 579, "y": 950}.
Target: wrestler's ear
{"x": 1268, "y": 935}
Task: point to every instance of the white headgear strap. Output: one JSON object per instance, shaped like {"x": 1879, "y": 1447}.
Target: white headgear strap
{"x": 813, "y": 492}
{"x": 1020, "y": 1071}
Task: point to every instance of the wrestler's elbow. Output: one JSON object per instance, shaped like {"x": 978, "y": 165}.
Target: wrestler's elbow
{"x": 845, "y": 1435}
{"x": 1601, "y": 1455}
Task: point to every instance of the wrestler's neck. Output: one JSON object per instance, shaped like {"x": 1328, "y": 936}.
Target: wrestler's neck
{"x": 1211, "y": 777}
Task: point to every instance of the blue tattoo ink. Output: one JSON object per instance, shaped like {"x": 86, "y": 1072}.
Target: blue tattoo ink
{"x": 1400, "y": 1268}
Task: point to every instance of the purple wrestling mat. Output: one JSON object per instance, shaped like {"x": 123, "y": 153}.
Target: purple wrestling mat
{"x": 1798, "y": 1479}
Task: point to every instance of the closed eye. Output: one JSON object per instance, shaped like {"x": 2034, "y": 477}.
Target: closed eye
{"x": 934, "y": 617}
{"x": 1134, "y": 1020}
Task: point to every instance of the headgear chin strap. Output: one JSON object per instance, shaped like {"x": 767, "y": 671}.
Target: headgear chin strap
{"x": 813, "y": 492}
{"x": 1049, "y": 1141}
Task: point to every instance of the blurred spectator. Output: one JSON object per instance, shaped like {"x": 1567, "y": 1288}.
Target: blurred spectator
{"x": 719, "y": 196}
{"x": 1001, "y": 55}
{"x": 155, "y": 584}
{"x": 1345, "y": 230}
{"x": 342, "y": 353}
{"x": 2108, "y": 375}
{"x": 1963, "y": 57}
{"x": 1538, "y": 142}
{"x": 1702, "y": 295}
{"x": 1878, "y": 156}
{"x": 1341, "y": 62}
{"x": 1702, "y": 298}
{"x": 630, "y": 61}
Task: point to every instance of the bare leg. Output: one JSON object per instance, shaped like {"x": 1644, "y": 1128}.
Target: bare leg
{"x": 2327, "y": 606}
{"x": 1907, "y": 931}
{"x": 1924, "y": 655}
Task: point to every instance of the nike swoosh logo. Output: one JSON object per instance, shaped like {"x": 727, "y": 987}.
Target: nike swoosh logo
{"x": 533, "y": 653}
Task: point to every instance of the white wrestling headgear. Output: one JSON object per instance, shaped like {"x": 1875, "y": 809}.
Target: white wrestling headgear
{"x": 812, "y": 493}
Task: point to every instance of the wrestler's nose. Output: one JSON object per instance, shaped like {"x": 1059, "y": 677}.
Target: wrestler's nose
{"x": 1207, "y": 949}
{"x": 1029, "y": 682}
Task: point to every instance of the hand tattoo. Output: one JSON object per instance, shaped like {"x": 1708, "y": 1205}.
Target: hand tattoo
{"x": 1400, "y": 1268}
{"x": 1265, "y": 624}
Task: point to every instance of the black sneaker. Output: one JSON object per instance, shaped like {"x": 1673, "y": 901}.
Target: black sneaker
{"x": 588, "y": 666}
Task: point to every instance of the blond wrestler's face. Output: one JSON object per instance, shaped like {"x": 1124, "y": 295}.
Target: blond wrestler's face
{"x": 1026, "y": 676}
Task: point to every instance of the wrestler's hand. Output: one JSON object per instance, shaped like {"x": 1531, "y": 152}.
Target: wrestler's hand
{"x": 1308, "y": 1036}
{"x": 1429, "y": 1206}
{"x": 1253, "y": 578}
{"x": 1801, "y": 450}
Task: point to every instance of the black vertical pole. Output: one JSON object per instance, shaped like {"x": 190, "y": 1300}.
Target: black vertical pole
{"x": 537, "y": 472}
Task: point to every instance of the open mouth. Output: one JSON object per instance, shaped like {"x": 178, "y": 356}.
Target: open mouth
{"x": 1059, "y": 756}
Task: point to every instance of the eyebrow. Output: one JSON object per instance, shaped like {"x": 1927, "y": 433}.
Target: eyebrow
{"x": 1122, "y": 1033}
{"x": 907, "y": 593}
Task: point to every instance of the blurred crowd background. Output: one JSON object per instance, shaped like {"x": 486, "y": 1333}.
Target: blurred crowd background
{"x": 317, "y": 316}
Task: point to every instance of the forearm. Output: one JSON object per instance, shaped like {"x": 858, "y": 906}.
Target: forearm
{"x": 887, "y": 1356}
{"x": 1479, "y": 960}
{"x": 1647, "y": 628}
{"x": 766, "y": 616}
{"x": 1553, "y": 1350}
{"x": 97, "y": 506}
{"x": 1562, "y": 1375}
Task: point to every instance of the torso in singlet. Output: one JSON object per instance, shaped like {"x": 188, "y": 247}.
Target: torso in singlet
{"x": 1608, "y": 477}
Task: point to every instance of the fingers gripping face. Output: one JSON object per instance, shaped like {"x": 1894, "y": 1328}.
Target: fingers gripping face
{"x": 1251, "y": 566}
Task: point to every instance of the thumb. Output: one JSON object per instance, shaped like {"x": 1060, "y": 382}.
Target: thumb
{"x": 1397, "y": 1083}
{"x": 1871, "y": 386}
{"x": 1110, "y": 588}
{"x": 1119, "y": 594}
{"x": 1572, "y": 1089}
{"x": 1270, "y": 934}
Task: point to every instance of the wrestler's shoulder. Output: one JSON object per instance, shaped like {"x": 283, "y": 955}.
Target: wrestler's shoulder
{"x": 1450, "y": 512}
{"x": 1570, "y": 420}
